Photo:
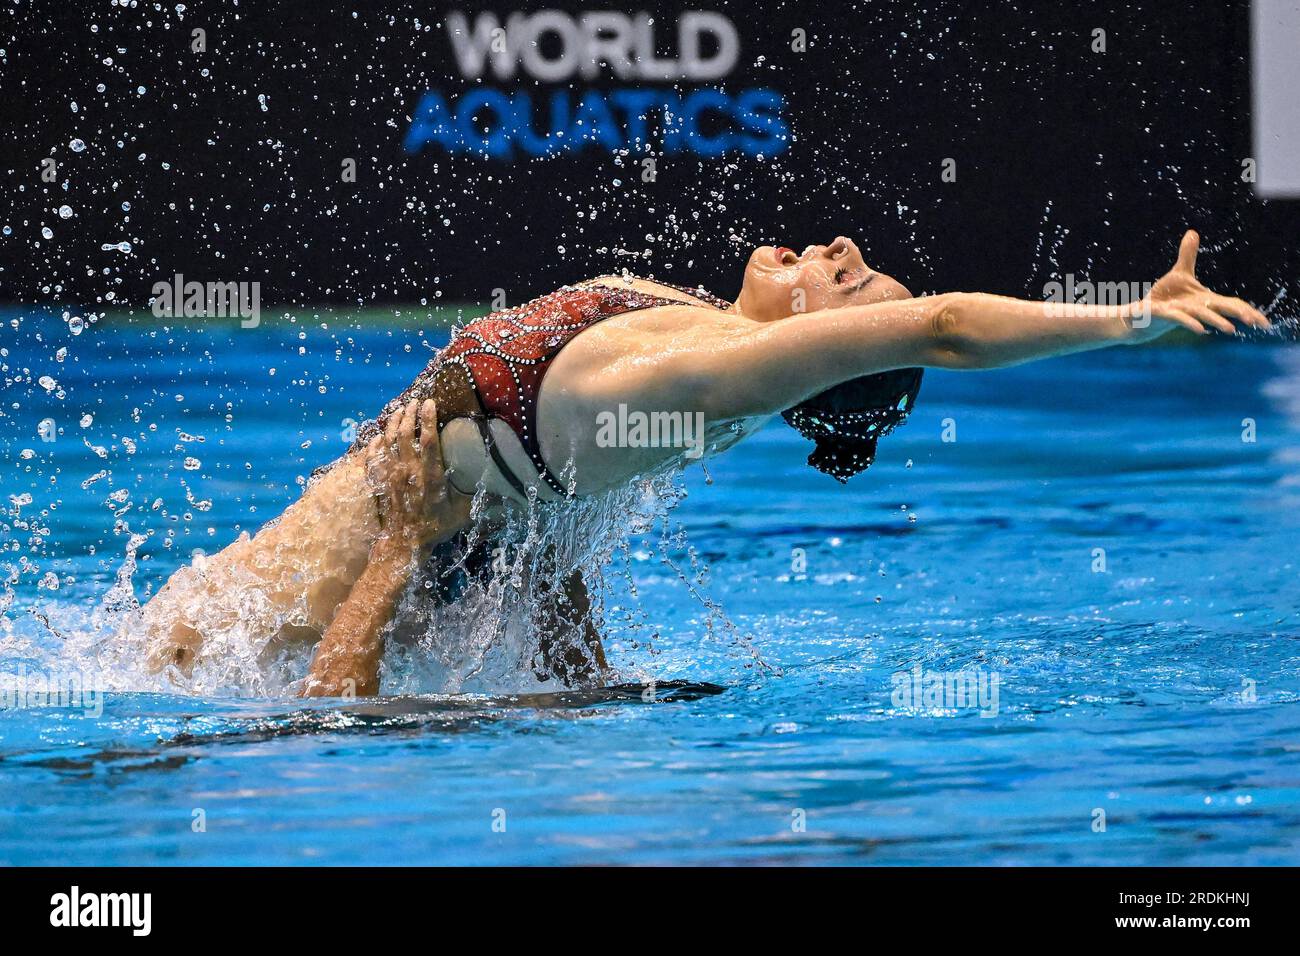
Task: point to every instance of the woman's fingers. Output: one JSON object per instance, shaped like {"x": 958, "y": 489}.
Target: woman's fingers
{"x": 1225, "y": 314}
{"x": 1187, "y": 250}
{"x": 1211, "y": 319}
{"x": 1240, "y": 311}
{"x": 1185, "y": 320}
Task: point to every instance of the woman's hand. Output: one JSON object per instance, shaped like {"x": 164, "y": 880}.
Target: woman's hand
{"x": 417, "y": 505}
{"x": 1179, "y": 298}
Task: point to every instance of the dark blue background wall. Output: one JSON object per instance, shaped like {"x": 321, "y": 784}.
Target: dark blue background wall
{"x": 1066, "y": 159}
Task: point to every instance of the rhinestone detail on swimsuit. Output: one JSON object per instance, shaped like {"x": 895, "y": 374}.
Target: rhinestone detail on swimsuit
{"x": 507, "y": 353}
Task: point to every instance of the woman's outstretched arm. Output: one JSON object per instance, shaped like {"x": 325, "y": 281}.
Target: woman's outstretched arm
{"x": 782, "y": 363}
{"x": 417, "y": 508}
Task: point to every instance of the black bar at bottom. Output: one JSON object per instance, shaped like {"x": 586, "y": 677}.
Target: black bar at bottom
{"x": 324, "y": 906}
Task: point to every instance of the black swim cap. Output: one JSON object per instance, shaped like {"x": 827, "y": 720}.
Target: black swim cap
{"x": 847, "y": 420}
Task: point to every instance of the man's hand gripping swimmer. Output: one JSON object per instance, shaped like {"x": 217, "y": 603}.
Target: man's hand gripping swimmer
{"x": 418, "y": 508}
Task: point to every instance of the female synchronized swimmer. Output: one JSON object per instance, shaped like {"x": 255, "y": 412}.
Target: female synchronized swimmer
{"x": 519, "y": 404}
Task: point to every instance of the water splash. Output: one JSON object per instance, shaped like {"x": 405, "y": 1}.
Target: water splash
{"x": 513, "y": 628}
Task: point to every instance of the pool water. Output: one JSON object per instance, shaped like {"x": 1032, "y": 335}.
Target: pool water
{"x": 1105, "y": 544}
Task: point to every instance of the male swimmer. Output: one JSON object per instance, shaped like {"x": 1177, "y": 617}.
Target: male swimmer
{"x": 509, "y": 411}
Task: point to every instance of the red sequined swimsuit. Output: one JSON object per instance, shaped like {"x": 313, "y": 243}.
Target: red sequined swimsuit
{"x": 494, "y": 366}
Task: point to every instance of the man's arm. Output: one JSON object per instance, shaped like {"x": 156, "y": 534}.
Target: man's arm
{"x": 347, "y": 658}
{"x": 779, "y": 364}
{"x": 418, "y": 508}
{"x": 570, "y": 643}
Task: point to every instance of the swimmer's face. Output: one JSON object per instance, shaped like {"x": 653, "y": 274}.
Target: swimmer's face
{"x": 780, "y": 282}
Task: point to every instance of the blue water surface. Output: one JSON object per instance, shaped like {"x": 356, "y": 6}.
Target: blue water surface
{"x": 1112, "y": 536}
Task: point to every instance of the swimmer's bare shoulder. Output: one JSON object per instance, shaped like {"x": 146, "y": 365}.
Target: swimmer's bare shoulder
{"x": 610, "y": 355}
{"x": 652, "y": 287}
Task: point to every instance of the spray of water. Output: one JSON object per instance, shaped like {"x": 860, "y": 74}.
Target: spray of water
{"x": 510, "y": 628}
